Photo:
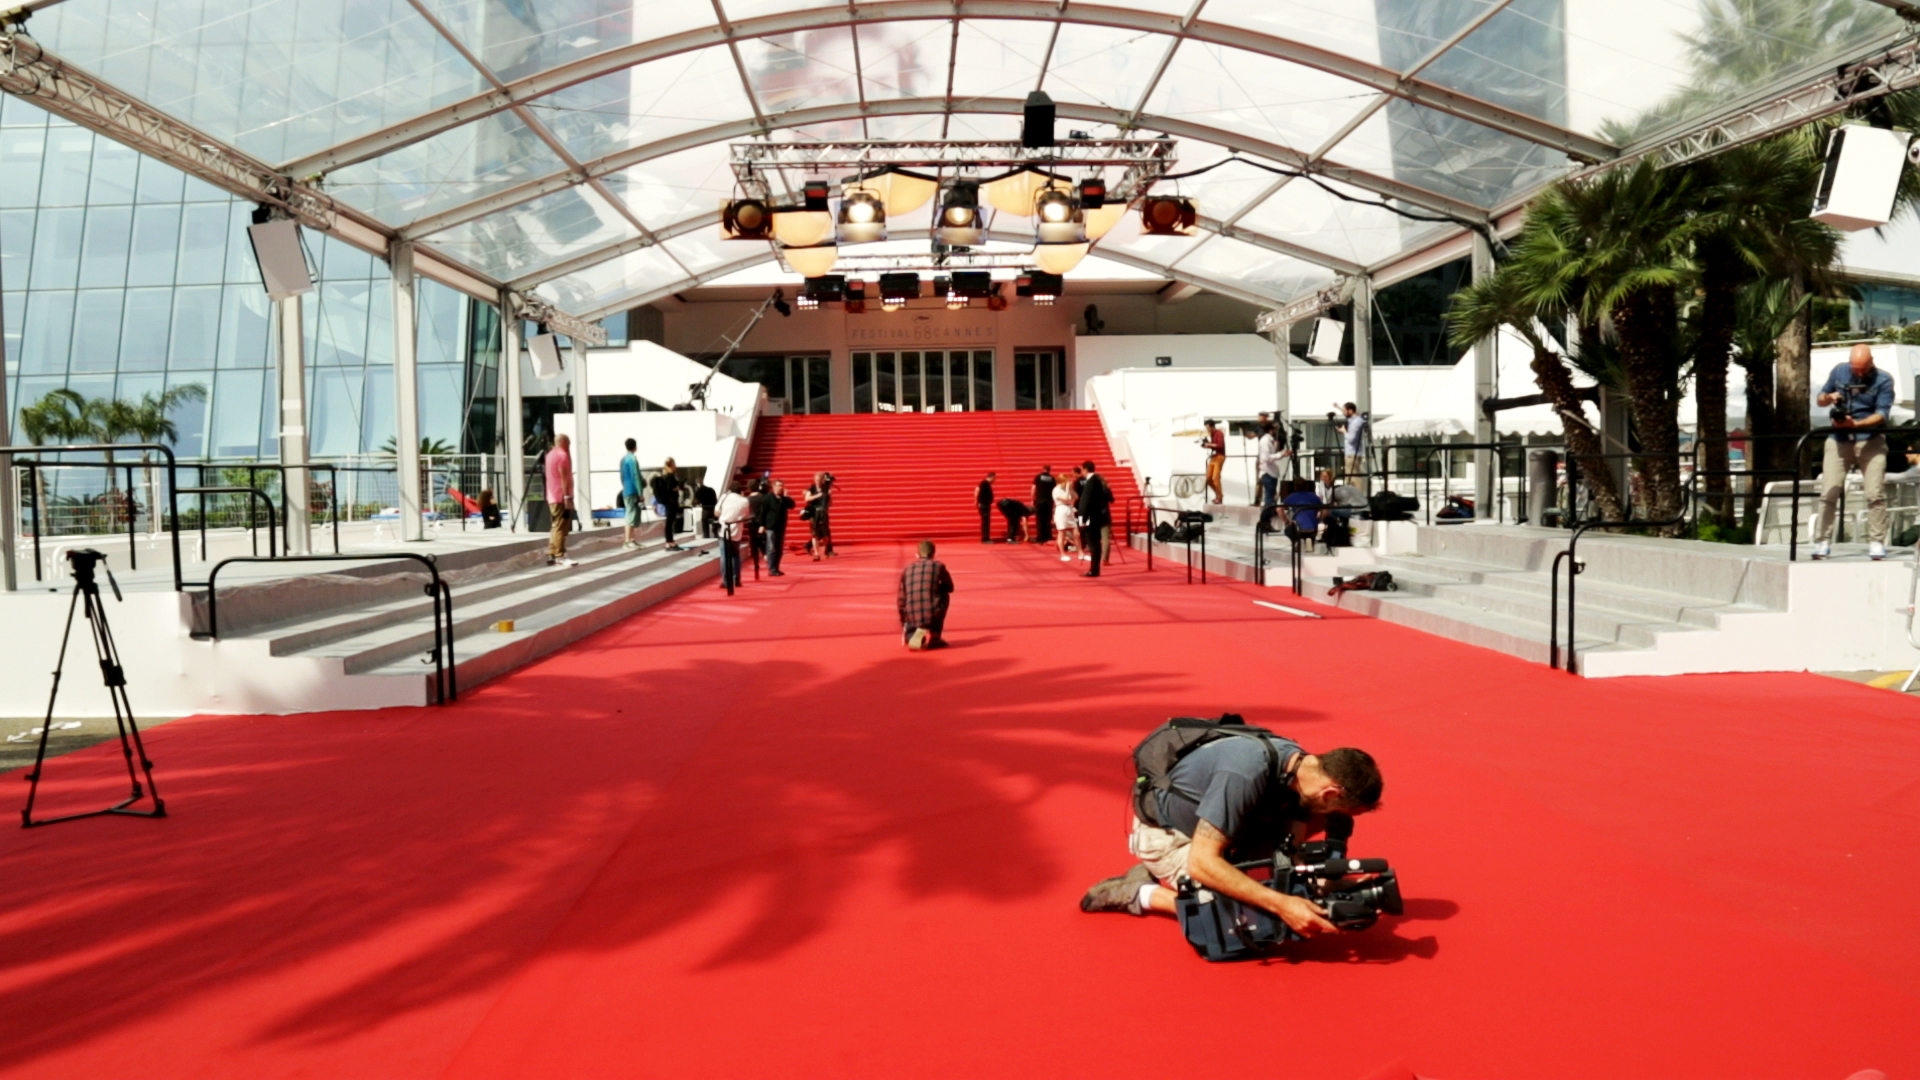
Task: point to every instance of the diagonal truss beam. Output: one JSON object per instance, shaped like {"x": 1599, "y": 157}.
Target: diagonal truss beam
{"x": 1385, "y": 80}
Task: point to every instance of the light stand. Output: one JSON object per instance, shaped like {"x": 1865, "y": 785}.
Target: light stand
{"x": 84, "y": 585}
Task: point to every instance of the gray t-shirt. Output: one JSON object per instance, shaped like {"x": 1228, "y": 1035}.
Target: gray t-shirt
{"x": 1240, "y": 792}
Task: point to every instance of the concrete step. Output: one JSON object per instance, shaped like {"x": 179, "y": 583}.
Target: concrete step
{"x": 1523, "y": 638}
{"x": 1534, "y": 589}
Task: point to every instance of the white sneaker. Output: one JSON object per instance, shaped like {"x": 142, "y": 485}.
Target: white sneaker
{"x": 1066, "y": 558}
{"x": 629, "y": 546}
{"x": 1821, "y": 549}
{"x": 1086, "y": 558}
{"x": 1876, "y": 551}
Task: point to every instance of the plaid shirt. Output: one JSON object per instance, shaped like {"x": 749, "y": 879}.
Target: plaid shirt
{"x": 924, "y": 586}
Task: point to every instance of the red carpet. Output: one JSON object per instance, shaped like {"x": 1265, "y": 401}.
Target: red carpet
{"x": 906, "y": 476}
{"x": 756, "y": 838}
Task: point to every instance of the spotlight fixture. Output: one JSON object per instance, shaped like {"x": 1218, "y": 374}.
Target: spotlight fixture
{"x": 1014, "y": 192}
{"x": 1036, "y": 120}
{"x": 897, "y": 289}
{"x": 1093, "y": 193}
{"x": 813, "y": 195}
{"x": 1167, "y": 215}
{"x": 746, "y": 219}
{"x": 960, "y": 224}
{"x": 863, "y": 217}
{"x": 1060, "y": 220}
{"x": 944, "y": 287}
{"x": 1039, "y": 286}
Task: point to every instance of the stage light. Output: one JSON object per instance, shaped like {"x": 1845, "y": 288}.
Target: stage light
{"x": 897, "y": 289}
{"x": 959, "y": 224}
{"x": 746, "y": 219}
{"x": 1059, "y": 258}
{"x": 1041, "y": 287}
{"x": 1036, "y": 120}
{"x": 1093, "y": 193}
{"x": 973, "y": 284}
{"x": 1167, "y": 215}
{"x": 1060, "y": 218}
{"x": 856, "y": 297}
{"x": 812, "y": 261}
{"x": 825, "y": 289}
{"x": 798, "y": 227}
{"x": 813, "y": 196}
{"x": 806, "y": 303}
{"x": 863, "y": 217}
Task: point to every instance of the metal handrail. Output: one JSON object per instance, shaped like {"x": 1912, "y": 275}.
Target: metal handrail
{"x": 1446, "y": 464}
{"x": 444, "y": 686}
{"x": 1799, "y": 453}
{"x": 1574, "y": 569}
{"x": 272, "y": 530}
{"x": 173, "y": 514}
{"x": 1152, "y": 510}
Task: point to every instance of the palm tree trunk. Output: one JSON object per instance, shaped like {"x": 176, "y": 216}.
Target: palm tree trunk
{"x": 1646, "y": 322}
{"x": 1583, "y": 442}
{"x": 1762, "y": 451}
{"x": 1717, "y": 318}
{"x": 1793, "y": 357}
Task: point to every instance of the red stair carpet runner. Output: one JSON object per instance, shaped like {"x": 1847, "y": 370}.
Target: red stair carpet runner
{"x": 908, "y": 476}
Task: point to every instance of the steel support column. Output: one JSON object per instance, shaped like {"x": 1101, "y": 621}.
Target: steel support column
{"x": 291, "y": 362}
{"x": 582, "y": 443}
{"x": 1485, "y": 385}
{"x": 513, "y": 498}
{"x": 406, "y": 394}
{"x": 1362, "y": 331}
{"x": 7, "y": 500}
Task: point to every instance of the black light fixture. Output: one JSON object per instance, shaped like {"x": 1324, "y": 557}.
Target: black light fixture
{"x": 1036, "y": 121}
{"x": 1040, "y": 287}
{"x": 746, "y": 219}
{"x": 960, "y": 223}
{"x": 813, "y": 195}
{"x": 897, "y": 289}
{"x": 825, "y": 289}
{"x": 973, "y": 284}
{"x": 1168, "y": 215}
{"x": 1093, "y": 193}
{"x": 856, "y": 297}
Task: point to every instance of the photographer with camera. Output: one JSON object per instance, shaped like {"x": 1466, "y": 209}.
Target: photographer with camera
{"x": 1231, "y": 799}
{"x": 1860, "y": 398}
{"x": 1354, "y": 446}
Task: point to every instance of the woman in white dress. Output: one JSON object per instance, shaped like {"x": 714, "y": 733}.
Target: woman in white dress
{"x": 1064, "y": 525}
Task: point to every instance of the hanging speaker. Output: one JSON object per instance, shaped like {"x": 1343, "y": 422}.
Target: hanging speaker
{"x": 1861, "y": 177}
{"x": 1324, "y": 346}
{"x": 545, "y": 349}
{"x": 283, "y": 266}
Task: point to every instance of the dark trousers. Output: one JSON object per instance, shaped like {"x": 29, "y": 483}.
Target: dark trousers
{"x": 1013, "y": 526}
{"x": 668, "y": 522}
{"x": 776, "y": 541}
{"x": 729, "y": 563}
{"x": 1043, "y": 519}
{"x": 1090, "y": 546}
{"x": 932, "y": 626}
{"x": 986, "y": 524}
{"x": 709, "y": 525}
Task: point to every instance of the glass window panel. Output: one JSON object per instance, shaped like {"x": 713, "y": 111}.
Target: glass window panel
{"x": 516, "y": 38}
{"x": 863, "y": 382}
{"x": 159, "y": 182}
{"x": 21, "y": 153}
{"x": 333, "y": 412}
{"x": 115, "y": 168}
{"x": 1026, "y": 382}
{"x": 438, "y": 323}
{"x": 376, "y": 409}
{"x": 819, "y": 386}
{"x": 910, "y": 397}
{"x": 145, "y": 328}
{"x": 16, "y": 244}
{"x": 886, "y": 394}
{"x": 904, "y": 59}
{"x": 999, "y": 58}
{"x": 278, "y": 78}
{"x": 131, "y": 387}
{"x": 17, "y": 112}
{"x": 342, "y": 325}
{"x": 806, "y": 70}
{"x": 1256, "y": 269}
{"x": 96, "y": 330}
{"x": 156, "y": 240}
{"x": 453, "y": 167}
{"x": 199, "y": 190}
{"x": 703, "y": 250}
{"x": 57, "y": 236}
{"x": 236, "y": 413}
{"x": 991, "y": 127}
{"x": 46, "y": 333}
{"x": 63, "y": 177}
{"x": 203, "y": 244}
{"x": 196, "y": 327}
{"x": 676, "y": 187}
{"x": 746, "y": 9}
{"x": 958, "y": 378}
{"x": 645, "y": 103}
{"x": 1245, "y": 93}
{"x": 103, "y": 254}
{"x": 1226, "y": 191}
{"x": 240, "y": 263}
{"x": 1105, "y": 65}
{"x": 1448, "y": 156}
{"x": 244, "y": 329}
{"x": 907, "y": 128}
{"x": 516, "y": 241}
{"x": 936, "y": 381}
{"x": 380, "y": 341}
{"x": 1354, "y": 30}
{"x": 1306, "y": 214}
{"x": 632, "y": 274}
{"x": 13, "y": 310}
{"x": 983, "y": 380}
{"x": 190, "y": 417}
{"x": 442, "y": 402}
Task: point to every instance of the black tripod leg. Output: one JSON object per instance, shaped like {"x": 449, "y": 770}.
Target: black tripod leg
{"x": 46, "y": 727}
{"x": 116, "y": 680}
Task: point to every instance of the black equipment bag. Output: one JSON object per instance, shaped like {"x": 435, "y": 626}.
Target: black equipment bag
{"x": 1387, "y": 506}
{"x": 1162, "y": 749}
{"x": 1339, "y": 533}
{"x": 1221, "y": 928}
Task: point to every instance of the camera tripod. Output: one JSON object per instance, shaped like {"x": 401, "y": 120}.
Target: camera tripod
{"x": 84, "y": 585}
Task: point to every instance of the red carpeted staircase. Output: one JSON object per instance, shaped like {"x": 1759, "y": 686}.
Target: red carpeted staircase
{"x": 907, "y": 476}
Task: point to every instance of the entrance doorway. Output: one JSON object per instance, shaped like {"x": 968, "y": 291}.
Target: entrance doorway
{"x": 956, "y": 380}
{"x": 1040, "y": 380}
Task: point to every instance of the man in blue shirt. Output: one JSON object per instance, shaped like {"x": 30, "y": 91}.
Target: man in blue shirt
{"x": 1862, "y": 397}
{"x": 630, "y": 495}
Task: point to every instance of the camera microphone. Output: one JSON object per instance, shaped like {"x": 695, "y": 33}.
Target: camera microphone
{"x": 1343, "y": 867}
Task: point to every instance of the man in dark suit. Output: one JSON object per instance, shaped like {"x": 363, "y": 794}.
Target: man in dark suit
{"x": 1096, "y": 513}
{"x": 983, "y": 499}
{"x": 1043, "y": 506}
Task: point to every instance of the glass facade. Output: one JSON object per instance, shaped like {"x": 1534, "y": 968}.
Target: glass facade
{"x": 124, "y": 276}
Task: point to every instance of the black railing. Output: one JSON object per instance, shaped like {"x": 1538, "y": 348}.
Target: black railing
{"x": 173, "y": 514}
{"x": 1799, "y": 455}
{"x": 444, "y": 687}
{"x": 272, "y": 531}
{"x": 1444, "y": 451}
{"x": 1574, "y": 569}
{"x": 253, "y": 471}
{"x": 1199, "y": 527}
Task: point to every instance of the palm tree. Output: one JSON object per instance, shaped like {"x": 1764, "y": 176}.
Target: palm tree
{"x": 151, "y": 420}
{"x": 55, "y": 418}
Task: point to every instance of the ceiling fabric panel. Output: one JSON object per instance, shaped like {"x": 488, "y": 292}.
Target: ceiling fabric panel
{"x": 276, "y": 78}
{"x": 802, "y": 71}
{"x": 456, "y": 166}
{"x": 736, "y": 10}
{"x": 904, "y": 59}
{"x": 704, "y": 249}
{"x": 905, "y": 128}
{"x": 1236, "y": 90}
{"x": 1224, "y": 192}
{"x": 645, "y": 103}
{"x": 630, "y": 273}
{"x": 1269, "y": 272}
{"x": 998, "y": 58}
{"x": 520, "y": 240}
{"x": 677, "y": 186}
{"x": 1104, "y": 65}
{"x": 1448, "y": 156}
{"x": 515, "y": 38}
{"x": 1304, "y": 213}
{"x": 1371, "y": 32}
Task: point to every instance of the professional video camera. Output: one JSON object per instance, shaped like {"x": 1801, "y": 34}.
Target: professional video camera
{"x": 1353, "y": 892}
{"x": 1842, "y": 411}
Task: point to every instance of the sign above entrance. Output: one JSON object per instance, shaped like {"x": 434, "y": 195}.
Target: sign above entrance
{"x": 907, "y": 329}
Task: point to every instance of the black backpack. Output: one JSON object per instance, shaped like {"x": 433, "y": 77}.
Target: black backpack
{"x": 1387, "y": 506}
{"x": 1162, "y": 749}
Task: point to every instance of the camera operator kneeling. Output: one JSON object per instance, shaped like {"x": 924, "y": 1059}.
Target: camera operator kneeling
{"x": 1860, "y": 396}
{"x": 1230, "y": 800}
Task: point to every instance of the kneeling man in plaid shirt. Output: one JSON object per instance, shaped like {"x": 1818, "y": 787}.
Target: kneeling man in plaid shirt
{"x": 924, "y": 588}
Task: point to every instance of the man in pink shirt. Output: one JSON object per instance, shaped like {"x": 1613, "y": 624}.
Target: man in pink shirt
{"x": 559, "y": 499}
